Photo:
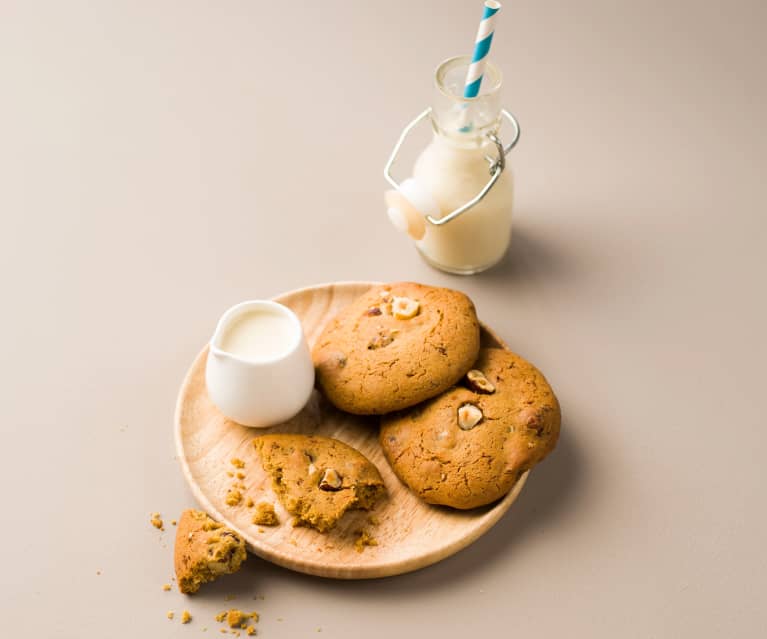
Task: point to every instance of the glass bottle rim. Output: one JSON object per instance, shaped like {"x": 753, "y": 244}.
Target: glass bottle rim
{"x": 492, "y": 73}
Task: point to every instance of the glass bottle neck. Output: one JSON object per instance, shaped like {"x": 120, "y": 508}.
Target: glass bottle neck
{"x": 464, "y": 127}
{"x": 465, "y": 122}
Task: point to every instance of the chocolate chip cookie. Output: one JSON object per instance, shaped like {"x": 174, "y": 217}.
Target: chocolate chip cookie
{"x": 204, "y": 550}
{"x": 397, "y": 345}
{"x": 467, "y": 447}
{"x": 318, "y": 479}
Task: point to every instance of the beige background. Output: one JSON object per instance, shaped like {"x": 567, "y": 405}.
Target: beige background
{"x": 160, "y": 161}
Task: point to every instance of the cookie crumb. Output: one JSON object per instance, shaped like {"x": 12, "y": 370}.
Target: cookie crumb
{"x": 186, "y": 617}
{"x": 170, "y": 614}
{"x": 364, "y": 539}
{"x": 234, "y": 617}
{"x": 173, "y": 522}
{"x": 237, "y": 462}
{"x": 233, "y": 497}
{"x": 240, "y": 475}
{"x": 156, "y": 521}
{"x": 250, "y": 502}
{"x": 166, "y": 587}
{"x": 239, "y": 619}
{"x": 265, "y": 515}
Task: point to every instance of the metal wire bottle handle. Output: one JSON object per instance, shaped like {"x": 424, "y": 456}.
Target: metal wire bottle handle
{"x": 497, "y": 165}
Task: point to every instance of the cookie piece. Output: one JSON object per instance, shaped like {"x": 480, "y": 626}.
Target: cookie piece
{"x": 318, "y": 479}
{"x": 265, "y": 515}
{"x": 205, "y": 550}
{"x": 397, "y": 345}
{"x": 467, "y": 447}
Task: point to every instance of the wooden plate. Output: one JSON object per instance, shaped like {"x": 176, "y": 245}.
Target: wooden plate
{"x": 410, "y": 533}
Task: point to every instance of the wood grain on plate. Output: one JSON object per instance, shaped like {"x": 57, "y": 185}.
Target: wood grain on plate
{"x": 410, "y": 533}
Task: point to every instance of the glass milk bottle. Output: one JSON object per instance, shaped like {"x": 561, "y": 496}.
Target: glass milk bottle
{"x": 457, "y": 204}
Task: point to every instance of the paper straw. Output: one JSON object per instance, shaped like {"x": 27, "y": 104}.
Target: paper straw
{"x": 481, "y": 48}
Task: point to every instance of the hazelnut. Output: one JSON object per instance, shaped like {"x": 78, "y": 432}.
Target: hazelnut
{"x": 531, "y": 419}
{"x": 478, "y": 382}
{"x": 331, "y": 480}
{"x": 382, "y": 339}
{"x": 404, "y": 307}
{"x": 468, "y": 416}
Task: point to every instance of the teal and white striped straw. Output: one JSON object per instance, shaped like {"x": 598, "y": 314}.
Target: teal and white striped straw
{"x": 481, "y": 48}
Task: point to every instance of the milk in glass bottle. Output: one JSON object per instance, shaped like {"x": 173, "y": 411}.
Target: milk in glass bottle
{"x": 457, "y": 205}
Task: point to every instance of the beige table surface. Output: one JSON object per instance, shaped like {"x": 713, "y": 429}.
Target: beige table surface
{"x": 160, "y": 161}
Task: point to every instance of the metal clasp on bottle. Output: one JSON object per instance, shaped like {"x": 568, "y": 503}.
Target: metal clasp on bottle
{"x": 496, "y": 165}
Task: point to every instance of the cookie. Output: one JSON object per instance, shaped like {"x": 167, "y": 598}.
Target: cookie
{"x": 317, "y": 479}
{"x": 204, "y": 550}
{"x": 396, "y": 346}
{"x": 468, "y": 447}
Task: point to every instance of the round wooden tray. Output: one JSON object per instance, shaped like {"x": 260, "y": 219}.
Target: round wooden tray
{"x": 410, "y": 533}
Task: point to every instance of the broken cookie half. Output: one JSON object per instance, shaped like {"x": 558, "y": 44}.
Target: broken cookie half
{"x": 318, "y": 479}
{"x": 205, "y": 550}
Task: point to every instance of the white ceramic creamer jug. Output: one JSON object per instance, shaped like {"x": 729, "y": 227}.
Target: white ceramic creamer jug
{"x": 259, "y": 370}
{"x": 457, "y": 205}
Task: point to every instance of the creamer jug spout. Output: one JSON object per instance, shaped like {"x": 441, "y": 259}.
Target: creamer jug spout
{"x": 215, "y": 346}
{"x": 217, "y": 354}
